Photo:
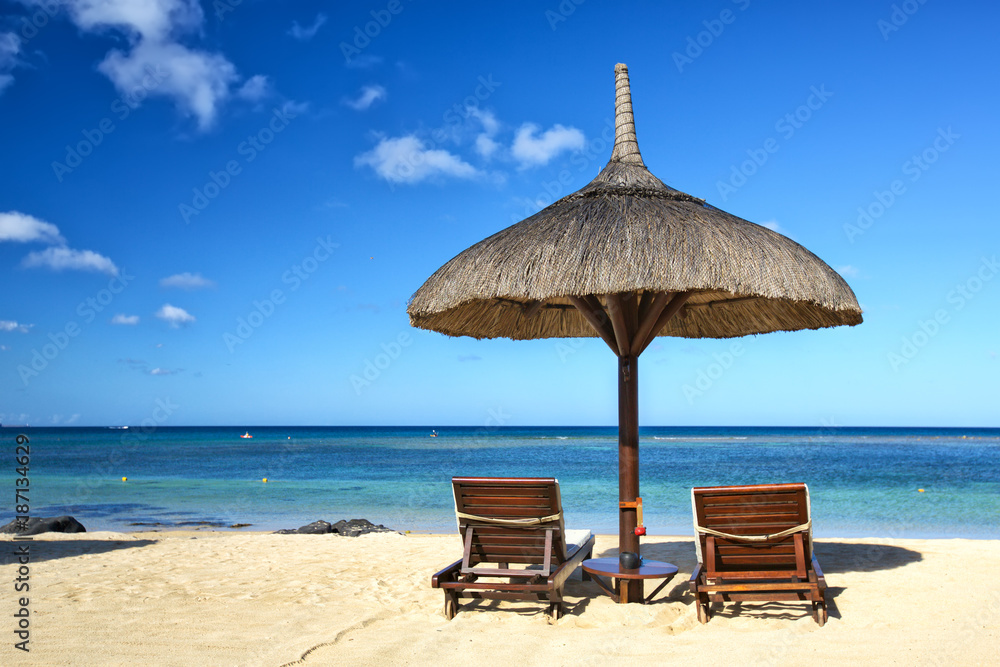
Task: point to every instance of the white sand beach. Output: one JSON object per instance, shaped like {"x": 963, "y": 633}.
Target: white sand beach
{"x": 225, "y": 598}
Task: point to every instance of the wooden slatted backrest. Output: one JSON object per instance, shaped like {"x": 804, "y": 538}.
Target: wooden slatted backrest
{"x": 510, "y": 498}
{"x": 752, "y": 510}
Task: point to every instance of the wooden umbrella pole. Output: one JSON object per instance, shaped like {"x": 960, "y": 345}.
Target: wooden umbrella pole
{"x": 628, "y": 466}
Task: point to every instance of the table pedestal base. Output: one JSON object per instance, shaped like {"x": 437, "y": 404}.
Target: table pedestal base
{"x": 609, "y": 567}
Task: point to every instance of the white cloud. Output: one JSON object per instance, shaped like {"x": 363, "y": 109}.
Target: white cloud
{"x": 848, "y": 271}
{"x": 772, "y": 225}
{"x": 162, "y": 371}
{"x": 62, "y": 258}
{"x": 10, "y": 46}
{"x": 532, "y": 151}
{"x": 369, "y": 95}
{"x": 10, "y": 325}
{"x": 485, "y": 145}
{"x": 292, "y": 107}
{"x": 152, "y": 19}
{"x": 255, "y": 89}
{"x": 489, "y": 120}
{"x": 121, "y": 318}
{"x": 187, "y": 281}
{"x": 407, "y": 160}
{"x": 197, "y": 81}
{"x": 305, "y": 34}
{"x": 174, "y": 316}
{"x": 21, "y": 227}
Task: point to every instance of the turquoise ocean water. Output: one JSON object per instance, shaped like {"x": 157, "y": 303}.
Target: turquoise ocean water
{"x": 863, "y": 481}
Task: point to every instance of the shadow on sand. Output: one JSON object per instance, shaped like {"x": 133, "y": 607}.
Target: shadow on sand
{"x": 46, "y": 550}
{"x": 834, "y": 557}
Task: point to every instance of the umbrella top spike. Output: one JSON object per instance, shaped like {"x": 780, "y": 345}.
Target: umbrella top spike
{"x": 627, "y": 232}
{"x": 626, "y": 146}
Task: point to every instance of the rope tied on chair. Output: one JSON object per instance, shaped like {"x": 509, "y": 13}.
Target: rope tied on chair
{"x": 516, "y": 523}
{"x": 755, "y": 538}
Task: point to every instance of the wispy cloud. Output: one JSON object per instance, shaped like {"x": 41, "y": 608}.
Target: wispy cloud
{"x": 368, "y": 96}
{"x": 63, "y": 259}
{"x": 406, "y": 159}
{"x": 10, "y": 46}
{"x": 533, "y": 151}
{"x": 11, "y": 325}
{"x": 485, "y": 144}
{"x": 174, "y": 316}
{"x": 772, "y": 225}
{"x": 305, "y": 34}
{"x": 469, "y": 357}
{"x": 198, "y": 82}
{"x": 364, "y": 61}
{"x": 848, "y": 271}
{"x": 255, "y": 88}
{"x": 187, "y": 281}
{"x": 165, "y": 371}
{"x": 60, "y": 420}
{"x": 24, "y": 228}
{"x": 296, "y": 108}
{"x": 121, "y": 318}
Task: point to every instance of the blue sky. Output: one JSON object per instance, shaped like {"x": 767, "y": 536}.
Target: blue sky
{"x": 215, "y": 212}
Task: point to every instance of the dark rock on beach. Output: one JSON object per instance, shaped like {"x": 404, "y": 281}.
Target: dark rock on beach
{"x": 36, "y": 525}
{"x": 356, "y": 527}
{"x": 351, "y": 528}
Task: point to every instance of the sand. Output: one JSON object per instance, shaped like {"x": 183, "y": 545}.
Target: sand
{"x": 225, "y": 598}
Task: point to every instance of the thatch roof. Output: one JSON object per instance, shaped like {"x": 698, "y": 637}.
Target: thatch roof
{"x": 627, "y": 232}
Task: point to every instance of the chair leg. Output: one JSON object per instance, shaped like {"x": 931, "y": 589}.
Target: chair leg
{"x": 819, "y": 613}
{"x": 450, "y": 605}
{"x": 702, "y": 612}
{"x": 702, "y": 602}
{"x": 555, "y": 611}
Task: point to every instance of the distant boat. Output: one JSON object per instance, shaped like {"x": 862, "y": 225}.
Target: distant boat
{"x": 246, "y": 435}
{"x": 117, "y": 428}
{"x": 434, "y": 433}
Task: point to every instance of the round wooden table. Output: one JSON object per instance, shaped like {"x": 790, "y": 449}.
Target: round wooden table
{"x": 609, "y": 567}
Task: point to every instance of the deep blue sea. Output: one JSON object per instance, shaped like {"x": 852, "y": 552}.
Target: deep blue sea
{"x": 863, "y": 481}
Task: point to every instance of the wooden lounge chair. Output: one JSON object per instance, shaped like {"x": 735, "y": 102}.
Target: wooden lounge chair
{"x": 508, "y": 521}
{"x": 755, "y": 543}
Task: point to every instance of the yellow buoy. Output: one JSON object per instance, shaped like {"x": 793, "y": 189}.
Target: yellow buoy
{"x": 264, "y": 480}
{"x": 124, "y": 479}
{"x": 920, "y": 490}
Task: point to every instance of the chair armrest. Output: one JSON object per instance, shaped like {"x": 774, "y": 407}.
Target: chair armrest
{"x": 693, "y": 581}
{"x": 447, "y": 574}
{"x": 562, "y": 573}
{"x": 819, "y": 572}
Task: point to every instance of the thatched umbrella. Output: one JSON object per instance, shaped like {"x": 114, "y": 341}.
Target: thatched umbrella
{"x": 628, "y": 258}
